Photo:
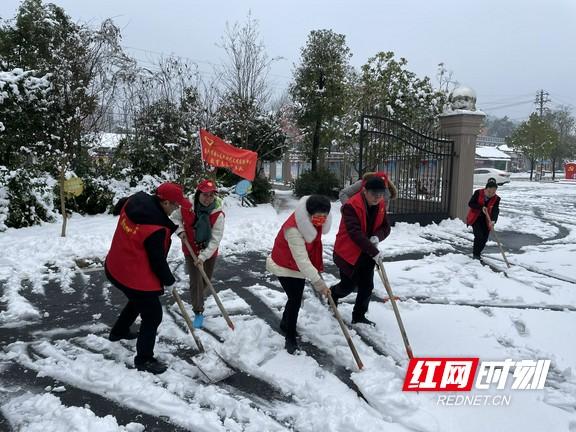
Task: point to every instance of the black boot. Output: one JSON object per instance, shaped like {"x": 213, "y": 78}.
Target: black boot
{"x": 284, "y": 330}
{"x": 363, "y": 320}
{"x": 114, "y": 337}
{"x": 150, "y": 364}
{"x": 291, "y": 345}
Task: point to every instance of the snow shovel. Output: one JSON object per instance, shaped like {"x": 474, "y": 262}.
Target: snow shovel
{"x": 345, "y": 331}
{"x": 206, "y": 358}
{"x": 386, "y": 282}
{"x": 496, "y": 237}
{"x": 209, "y": 284}
{"x": 187, "y": 319}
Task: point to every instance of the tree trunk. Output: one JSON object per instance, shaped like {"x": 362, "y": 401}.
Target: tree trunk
{"x": 315, "y": 145}
{"x": 63, "y": 202}
{"x": 259, "y": 168}
{"x": 553, "y": 169}
{"x": 541, "y": 169}
{"x": 531, "y": 168}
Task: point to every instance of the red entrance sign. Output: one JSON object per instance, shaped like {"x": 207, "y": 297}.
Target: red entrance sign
{"x": 570, "y": 170}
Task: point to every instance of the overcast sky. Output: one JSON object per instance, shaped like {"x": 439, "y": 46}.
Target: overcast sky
{"x": 505, "y": 49}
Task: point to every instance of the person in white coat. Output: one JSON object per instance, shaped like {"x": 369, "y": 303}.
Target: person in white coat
{"x": 297, "y": 256}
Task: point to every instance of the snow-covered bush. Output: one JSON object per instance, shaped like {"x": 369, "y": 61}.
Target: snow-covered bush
{"x": 121, "y": 188}
{"x": 23, "y": 105}
{"x": 25, "y": 200}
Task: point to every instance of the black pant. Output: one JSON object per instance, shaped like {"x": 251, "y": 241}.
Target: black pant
{"x": 481, "y": 234}
{"x": 294, "y": 289}
{"x": 361, "y": 278}
{"x": 148, "y": 306}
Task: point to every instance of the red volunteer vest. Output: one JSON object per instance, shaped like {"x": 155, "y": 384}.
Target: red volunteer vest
{"x": 189, "y": 219}
{"x": 127, "y": 260}
{"x": 282, "y": 255}
{"x": 344, "y": 247}
{"x": 474, "y": 213}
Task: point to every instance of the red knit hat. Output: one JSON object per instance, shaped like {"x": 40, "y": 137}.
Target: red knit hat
{"x": 207, "y": 186}
{"x": 171, "y": 192}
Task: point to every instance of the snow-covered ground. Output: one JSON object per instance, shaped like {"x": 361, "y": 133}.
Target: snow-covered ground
{"x": 452, "y": 306}
{"x": 525, "y": 175}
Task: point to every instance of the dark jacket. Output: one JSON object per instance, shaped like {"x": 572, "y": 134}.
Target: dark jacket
{"x": 145, "y": 210}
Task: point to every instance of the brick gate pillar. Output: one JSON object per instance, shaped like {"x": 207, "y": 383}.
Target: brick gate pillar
{"x": 462, "y": 126}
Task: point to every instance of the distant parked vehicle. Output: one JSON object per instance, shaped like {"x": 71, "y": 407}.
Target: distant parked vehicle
{"x": 482, "y": 175}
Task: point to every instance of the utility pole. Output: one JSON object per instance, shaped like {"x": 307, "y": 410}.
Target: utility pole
{"x": 541, "y": 100}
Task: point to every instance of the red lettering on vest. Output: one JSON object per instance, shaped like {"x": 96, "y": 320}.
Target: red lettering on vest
{"x": 127, "y": 260}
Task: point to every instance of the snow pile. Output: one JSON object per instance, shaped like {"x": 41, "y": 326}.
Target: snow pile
{"x": 45, "y": 413}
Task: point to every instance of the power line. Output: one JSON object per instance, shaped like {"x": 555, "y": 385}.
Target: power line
{"x": 155, "y": 68}
{"x": 509, "y": 99}
{"x": 498, "y": 107}
{"x": 169, "y": 55}
{"x": 564, "y": 102}
{"x": 191, "y": 59}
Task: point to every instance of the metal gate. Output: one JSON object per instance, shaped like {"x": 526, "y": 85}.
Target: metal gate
{"x": 419, "y": 163}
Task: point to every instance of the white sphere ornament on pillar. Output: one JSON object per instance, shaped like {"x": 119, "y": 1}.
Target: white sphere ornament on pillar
{"x": 463, "y": 98}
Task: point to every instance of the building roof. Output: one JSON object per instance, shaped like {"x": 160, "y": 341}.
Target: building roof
{"x": 490, "y": 153}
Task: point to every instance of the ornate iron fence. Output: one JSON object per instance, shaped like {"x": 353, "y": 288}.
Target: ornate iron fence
{"x": 418, "y": 162}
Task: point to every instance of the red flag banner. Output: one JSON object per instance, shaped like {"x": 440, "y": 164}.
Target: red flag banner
{"x": 218, "y": 153}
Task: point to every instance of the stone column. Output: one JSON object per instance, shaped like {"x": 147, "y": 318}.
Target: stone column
{"x": 463, "y": 127}
{"x": 272, "y": 174}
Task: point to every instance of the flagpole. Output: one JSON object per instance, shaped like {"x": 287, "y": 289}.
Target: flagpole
{"x": 200, "y": 142}
{"x": 202, "y": 150}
